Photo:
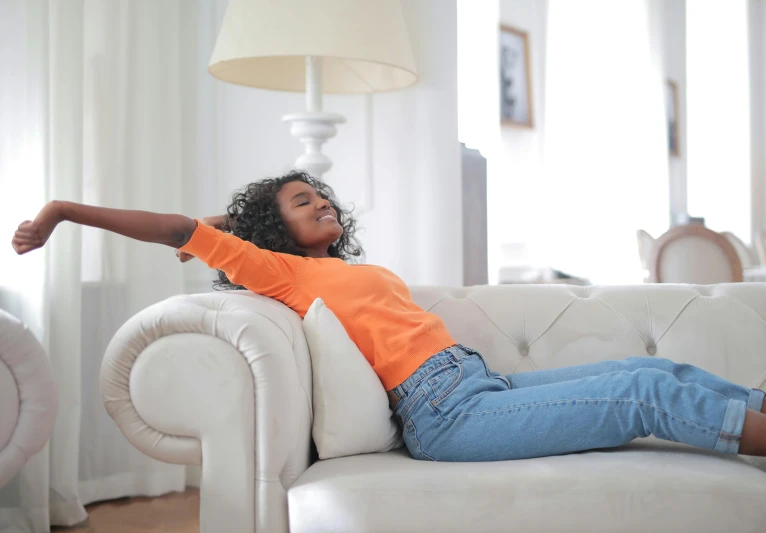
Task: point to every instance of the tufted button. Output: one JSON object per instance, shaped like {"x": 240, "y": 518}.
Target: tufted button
{"x": 523, "y": 350}
{"x": 651, "y": 349}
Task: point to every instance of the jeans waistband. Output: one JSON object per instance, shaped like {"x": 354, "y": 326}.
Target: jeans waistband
{"x": 436, "y": 361}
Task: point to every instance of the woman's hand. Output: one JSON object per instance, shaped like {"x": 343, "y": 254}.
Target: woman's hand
{"x": 220, "y": 222}
{"x": 183, "y": 256}
{"x": 33, "y": 234}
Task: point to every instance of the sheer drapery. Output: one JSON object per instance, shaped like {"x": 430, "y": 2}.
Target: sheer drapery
{"x": 606, "y": 158}
{"x": 98, "y": 104}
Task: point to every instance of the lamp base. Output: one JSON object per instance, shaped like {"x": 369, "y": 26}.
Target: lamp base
{"x": 313, "y": 130}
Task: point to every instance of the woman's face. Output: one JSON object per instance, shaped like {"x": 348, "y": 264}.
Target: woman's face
{"x": 310, "y": 220}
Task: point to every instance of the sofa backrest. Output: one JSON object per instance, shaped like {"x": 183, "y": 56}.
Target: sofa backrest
{"x": 520, "y": 328}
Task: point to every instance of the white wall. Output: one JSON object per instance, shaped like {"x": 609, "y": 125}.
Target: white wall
{"x": 514, "y": 174}
{"x": 673, "y": 21}
{"x": 757, "y": 20}
{"x": 397, "y": 157}
{"x": 416, "y": 226}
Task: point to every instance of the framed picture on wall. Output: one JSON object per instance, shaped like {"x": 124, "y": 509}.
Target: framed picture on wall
{"x": 515, "y": 82}
{"x": 671, "y": 110}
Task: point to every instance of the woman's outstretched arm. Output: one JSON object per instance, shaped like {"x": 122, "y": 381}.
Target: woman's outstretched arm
{"x": 170, "y": 230}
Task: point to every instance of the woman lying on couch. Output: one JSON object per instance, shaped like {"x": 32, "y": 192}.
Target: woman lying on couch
{"x": 288, "y": 239}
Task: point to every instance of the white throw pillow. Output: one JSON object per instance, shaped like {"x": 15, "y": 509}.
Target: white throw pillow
{"x": 351, "y": 411}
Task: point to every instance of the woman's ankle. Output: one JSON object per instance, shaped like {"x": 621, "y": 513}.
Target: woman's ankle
{"x": 753, "y": 440}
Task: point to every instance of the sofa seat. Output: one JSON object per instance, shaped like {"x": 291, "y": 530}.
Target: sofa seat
{"x": 646, "y": 486}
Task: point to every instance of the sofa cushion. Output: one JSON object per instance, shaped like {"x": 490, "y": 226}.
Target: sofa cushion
{"x": 351, "y": 412}
{"x": 648, "y": 485}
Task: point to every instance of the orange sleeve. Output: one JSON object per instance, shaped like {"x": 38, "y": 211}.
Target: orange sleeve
{"x": 262, "y": 271}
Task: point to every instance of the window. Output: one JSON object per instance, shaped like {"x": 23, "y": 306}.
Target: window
{"x": 718, "y": 107}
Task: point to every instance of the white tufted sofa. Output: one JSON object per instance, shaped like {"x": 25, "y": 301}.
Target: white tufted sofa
{"x": 224, "y": 380}
{"x": 28, "y": 396}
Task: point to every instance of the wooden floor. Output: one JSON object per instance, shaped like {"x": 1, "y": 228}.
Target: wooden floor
{"x": 172, "y": 513}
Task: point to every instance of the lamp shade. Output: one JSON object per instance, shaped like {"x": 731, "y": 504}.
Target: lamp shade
{"x": 364, "y": 45}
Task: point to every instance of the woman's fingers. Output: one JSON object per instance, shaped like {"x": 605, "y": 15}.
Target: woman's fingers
{"x": 30, "y": 237}
{"x": 21, "y": 250}
{"x": 27, "y": 237}
{"x": 28, "y": 233}
{"x": 21, "y": 239}
{"x": 27, "y": 227}
{"x": 32, "y": 234}
{"x": 22, "y": 245}
{"x": 183, "y": 256}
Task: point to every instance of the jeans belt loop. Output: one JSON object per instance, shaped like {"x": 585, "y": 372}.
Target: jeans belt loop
{"x": 393, "y": 399}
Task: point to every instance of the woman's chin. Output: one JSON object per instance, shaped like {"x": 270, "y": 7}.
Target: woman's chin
{"x": 338, "y": 233}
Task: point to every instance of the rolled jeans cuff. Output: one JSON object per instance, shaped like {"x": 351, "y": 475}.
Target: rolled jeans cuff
{"x": 731, "y": 432}
{"x": 755, "y": 400}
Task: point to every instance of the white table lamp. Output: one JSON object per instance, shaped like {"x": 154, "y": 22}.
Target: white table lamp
{"x": 330, "y": 46}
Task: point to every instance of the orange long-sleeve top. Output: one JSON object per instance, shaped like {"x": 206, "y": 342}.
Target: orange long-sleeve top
{"x": 373, "y": 304}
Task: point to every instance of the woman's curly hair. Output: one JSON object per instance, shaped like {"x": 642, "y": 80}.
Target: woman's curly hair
{"x": 253, "y": 216}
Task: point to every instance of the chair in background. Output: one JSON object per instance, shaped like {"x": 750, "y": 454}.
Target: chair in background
{"x": 28, "y": 396}
{"x": 760, "y": 246}
{"x": 694, "y": 254}
{"x": 746, "y": 255}
{"x": 645, "y": 243}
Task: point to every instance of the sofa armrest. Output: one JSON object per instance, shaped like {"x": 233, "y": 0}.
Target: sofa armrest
{"x": 28, "y": 396}
{"x": 222, "y": 379}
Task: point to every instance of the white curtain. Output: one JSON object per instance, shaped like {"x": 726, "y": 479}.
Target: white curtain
{"x": 606, "y": 157}
{"x": 99, "y": 103}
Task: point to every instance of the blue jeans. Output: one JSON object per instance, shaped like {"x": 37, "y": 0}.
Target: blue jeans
{"x": 453, "y": 408}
